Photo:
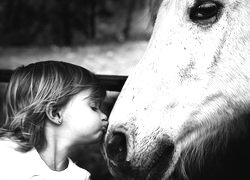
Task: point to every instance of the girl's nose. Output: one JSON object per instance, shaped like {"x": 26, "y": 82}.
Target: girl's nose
{"x": 104, "y": 117}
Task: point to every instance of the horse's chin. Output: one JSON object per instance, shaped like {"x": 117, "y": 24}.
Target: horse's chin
{"x": 221, "y": 154}
{"x": 155, "y": 173}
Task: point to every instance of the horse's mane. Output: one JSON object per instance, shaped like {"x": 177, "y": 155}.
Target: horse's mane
{"x": 223, "y": 153}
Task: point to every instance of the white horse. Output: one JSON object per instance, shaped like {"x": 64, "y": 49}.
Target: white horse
{"x": 184, "y": 113}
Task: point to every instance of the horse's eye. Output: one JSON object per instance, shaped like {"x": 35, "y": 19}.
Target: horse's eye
{"x": 206, "y": 13}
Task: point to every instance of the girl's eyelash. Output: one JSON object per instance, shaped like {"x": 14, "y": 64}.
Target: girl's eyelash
{"x": 94, "y": 108}
{"x": 95, "y": 105}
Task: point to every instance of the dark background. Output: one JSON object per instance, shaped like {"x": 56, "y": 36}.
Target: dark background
{"x": 61, "y": 22}
{"x": 106, "y": 36}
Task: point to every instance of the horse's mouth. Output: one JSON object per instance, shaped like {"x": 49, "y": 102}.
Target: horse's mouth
{"x": 122, "y": 171}
{"x": 155, "y": 170}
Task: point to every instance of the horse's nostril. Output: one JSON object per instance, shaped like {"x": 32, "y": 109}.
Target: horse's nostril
{"x": 117, "y": 147}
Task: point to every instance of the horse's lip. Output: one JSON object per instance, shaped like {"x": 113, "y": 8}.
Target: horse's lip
{"x": 154, "y": 172}
{"x": 112, "y": 167}
{"x": 119, "y": 171}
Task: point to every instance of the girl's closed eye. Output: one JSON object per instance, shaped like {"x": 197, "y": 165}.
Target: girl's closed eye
{"x": 94, "y": 106}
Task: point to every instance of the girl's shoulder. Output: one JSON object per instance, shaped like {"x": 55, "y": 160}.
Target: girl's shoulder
{"x": 12, "y": 161}
{"x": 8, "y": 146}
{"x": 7, "y": 141}
{"x": 15, "y": 164}
{"x": 77, "y": 171}
{"x": 10, "y": 156}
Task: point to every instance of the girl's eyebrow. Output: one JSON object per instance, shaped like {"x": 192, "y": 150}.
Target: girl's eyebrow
{"x": 86, "y": 98}
{"x": 91, "y": 100}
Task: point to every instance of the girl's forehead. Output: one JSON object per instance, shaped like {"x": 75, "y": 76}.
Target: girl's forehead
{"x": 91, "y": 95}
{"x": 82, "y": 95}
{"x": 87, "y": 93}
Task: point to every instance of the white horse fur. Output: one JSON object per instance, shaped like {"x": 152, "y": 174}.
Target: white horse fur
{"x": 185, "y": 110}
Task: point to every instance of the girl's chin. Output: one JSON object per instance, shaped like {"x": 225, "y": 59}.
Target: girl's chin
{"x": 98, "y": 137}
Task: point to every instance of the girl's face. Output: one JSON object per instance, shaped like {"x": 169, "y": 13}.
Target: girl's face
{"x": 83, "y": 121}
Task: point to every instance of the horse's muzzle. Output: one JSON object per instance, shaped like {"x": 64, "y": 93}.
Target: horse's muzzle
{"x": 144, "y": 166}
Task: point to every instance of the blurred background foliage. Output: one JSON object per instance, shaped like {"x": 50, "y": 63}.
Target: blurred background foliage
{"x": 66, "y": 22}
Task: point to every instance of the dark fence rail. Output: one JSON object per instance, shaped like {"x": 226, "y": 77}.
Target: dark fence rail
{"x": 110, "y": 82}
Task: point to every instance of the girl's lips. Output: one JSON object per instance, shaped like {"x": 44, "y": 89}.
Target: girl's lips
{"x": 105, "y": 127}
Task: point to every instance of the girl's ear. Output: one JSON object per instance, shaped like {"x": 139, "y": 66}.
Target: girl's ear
{"x": 53, "y": 115}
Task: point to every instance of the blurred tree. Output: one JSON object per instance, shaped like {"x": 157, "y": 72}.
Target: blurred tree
{"x": 24, "y": 22}
{"x": 18, "y": 23}
{"x": 131, "y": 7}
{"x": 129, "y": 15}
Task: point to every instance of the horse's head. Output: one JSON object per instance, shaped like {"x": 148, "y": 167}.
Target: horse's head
{"x": 183, "y": 113}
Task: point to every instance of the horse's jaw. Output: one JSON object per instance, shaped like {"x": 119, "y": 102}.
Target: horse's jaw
{"x": 218, "y": 152}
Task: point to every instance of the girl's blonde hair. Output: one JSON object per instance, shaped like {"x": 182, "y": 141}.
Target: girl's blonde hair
{"x": 32, "y": 88}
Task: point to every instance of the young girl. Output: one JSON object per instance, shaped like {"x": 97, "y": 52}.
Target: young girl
{"x": 50, "y": 107}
